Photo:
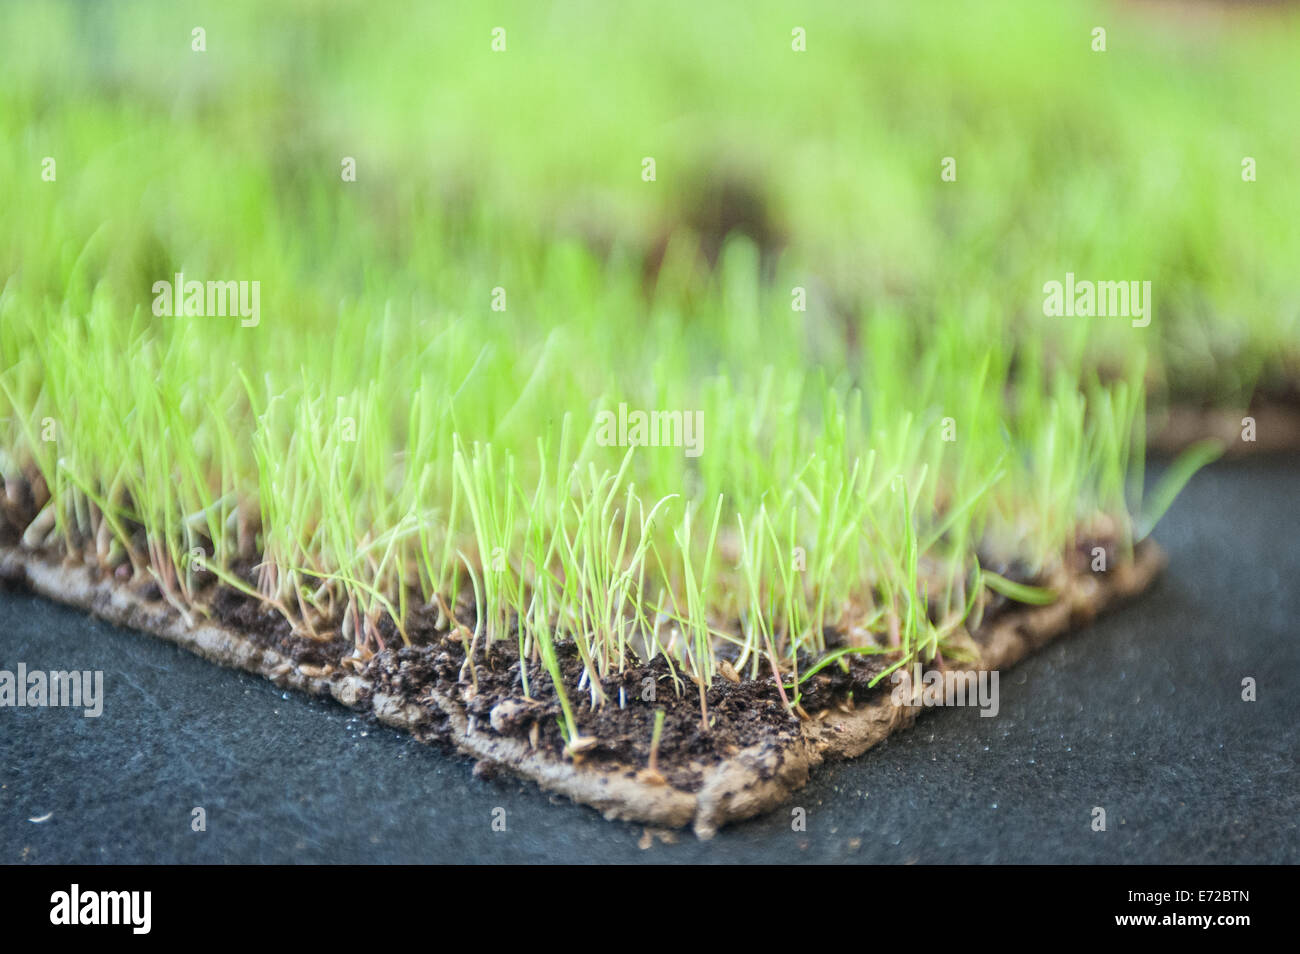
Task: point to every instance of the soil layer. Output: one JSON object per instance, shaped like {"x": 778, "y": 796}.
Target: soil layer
{"x": 1276, "y": 428}
{"x": 749, "y": 758}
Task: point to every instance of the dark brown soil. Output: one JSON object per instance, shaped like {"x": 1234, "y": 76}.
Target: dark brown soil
{"x": 742, "y": 714}
{"x": 751, "y": 754}
{"x": 1277, "y": 426}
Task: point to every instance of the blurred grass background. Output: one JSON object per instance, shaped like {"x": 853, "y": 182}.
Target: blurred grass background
{"x": 472, "y": 461}
{"x": 474, "y": 166}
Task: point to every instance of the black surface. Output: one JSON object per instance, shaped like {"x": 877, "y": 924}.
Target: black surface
{"x": 1140, "y": 713}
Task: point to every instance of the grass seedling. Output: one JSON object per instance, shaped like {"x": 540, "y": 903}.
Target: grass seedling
{"x": 412, "y": 423}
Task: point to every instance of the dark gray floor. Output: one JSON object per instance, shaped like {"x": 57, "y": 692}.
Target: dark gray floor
{"x": 1140, "y": 714}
